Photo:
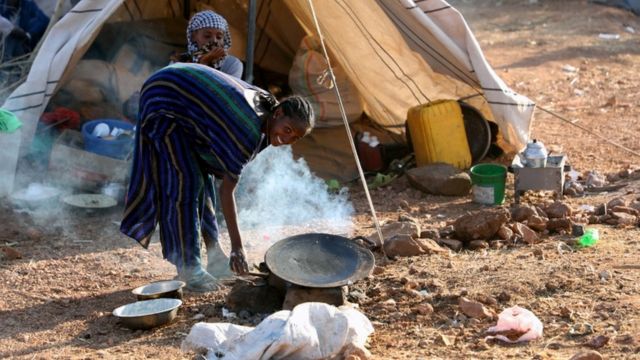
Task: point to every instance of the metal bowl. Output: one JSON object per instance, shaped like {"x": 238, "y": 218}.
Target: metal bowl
{"x": 148, "y": 314}
{"x": 160, "y": 289}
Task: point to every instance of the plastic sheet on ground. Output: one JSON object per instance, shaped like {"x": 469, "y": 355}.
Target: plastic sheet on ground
{"x": 517, "y": 319}
{"x": 309, "y": 331}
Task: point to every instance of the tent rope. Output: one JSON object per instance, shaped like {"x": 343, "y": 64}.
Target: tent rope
{"x": 347, "y": 128}
{"x": 616, "y": 144}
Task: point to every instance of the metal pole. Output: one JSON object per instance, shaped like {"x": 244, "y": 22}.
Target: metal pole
{"x": 251, "y": 35}
{"x": 186, "y": 10}
{"x": 347, "y": 128}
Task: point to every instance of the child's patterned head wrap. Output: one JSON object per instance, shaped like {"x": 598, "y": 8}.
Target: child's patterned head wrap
{"x": 207, "y": 19}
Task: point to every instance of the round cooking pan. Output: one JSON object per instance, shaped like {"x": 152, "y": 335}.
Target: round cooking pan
{"x": 319, "y": 260}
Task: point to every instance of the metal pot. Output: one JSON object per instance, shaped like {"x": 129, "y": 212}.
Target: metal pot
{"x": 319, "y": 260}
{"x": 535, "y": 154}
{"x": 160, "y": 289}
{"x": 148, "y": 314}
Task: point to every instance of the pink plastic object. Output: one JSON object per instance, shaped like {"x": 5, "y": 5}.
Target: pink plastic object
{"x": 520, "y": 320}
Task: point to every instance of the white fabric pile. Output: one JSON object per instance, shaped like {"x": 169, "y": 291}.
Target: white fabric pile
{"x": 309, "y": 331}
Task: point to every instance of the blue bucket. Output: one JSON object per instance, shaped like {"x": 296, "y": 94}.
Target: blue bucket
{"x": 117, "y": 148}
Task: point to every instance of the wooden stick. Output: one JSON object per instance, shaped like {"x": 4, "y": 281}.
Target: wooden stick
{"x": 627, "y": 267}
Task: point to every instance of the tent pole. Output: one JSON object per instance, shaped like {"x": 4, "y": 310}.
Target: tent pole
{"x": 348, "y": 129}
{"x": 251, "y": 34}
{"x": 186, "y": 10}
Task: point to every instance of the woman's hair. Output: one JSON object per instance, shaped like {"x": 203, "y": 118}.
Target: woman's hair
{"x": 295, "y": 107}
{"x": 298, "y": 108}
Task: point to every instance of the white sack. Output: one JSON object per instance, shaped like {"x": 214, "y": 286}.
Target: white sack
{"x": 309, "y": 331}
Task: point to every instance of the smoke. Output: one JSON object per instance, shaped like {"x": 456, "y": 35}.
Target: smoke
{"x": 279, "y": 196}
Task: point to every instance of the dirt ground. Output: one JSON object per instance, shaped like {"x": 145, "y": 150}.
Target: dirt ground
{"x": 74, "y": 270}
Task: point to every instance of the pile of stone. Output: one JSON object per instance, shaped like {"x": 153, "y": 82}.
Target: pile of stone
{"x": 593, "y": 181}
{"x": 617, "y": 212}
{"x": 495, "y": 228}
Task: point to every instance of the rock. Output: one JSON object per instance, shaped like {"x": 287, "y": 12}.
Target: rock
{"x": 541, "y": 212}
{"x": 537, "y": 223}
{"x": 198, "y": 317}
{"x": 487, "y": 300}
{"x": 355, "y": 352}
{"x": 557, "y": 225}
{"x": 33, "y": 233}
{"x": 577, "y": 229}
{"x": 455, "y": 245}
{"x": 595, "y": 219}
{"x": 357, "y": 296}
{"x": 600, "y": 210}
{"x": 411, "y": 284}
{"x": 253, "y": 297}
{"x": 598, "y": 342}
{"x": 625, "y": 209}
{"x": 626, "y": 339}
{"x": 496, "y": 244}
{"x": 447, "y": 340}
{"x": 396, "y": 228}
{"x": 389, "y": 302}
{"x": 538, "y": 253}
{"x": 447, "y": 231}
{"x": 594, "y": 179}
{"x": 587, "y": 355}
{"x": 424, "y": 309}
{"x": 430, "y": 234}
{"x": 440, "y": 179}
{"x": 480, "y": 225}
{"x": 10, "y": 254}
{"x": 378, "y": 270}
{"x": 474, "y": 309}
{"x": 505, "y": 233}
{"x": 478, "y": 245}
{"x": 612, "y": 177}
{"x": 528, "y": 236}
{"x": 431, "y": 246}
{"x": 399, "y": 185}
{"x": 604, "y": 275}
{"x": 405, "y": 245}
{"x": 624, "y": 173}
{"x": 616, "y": 202}
{"x": 522, "y": 213}
{"x": 298, "y": 295}
{"x": 624, "y": 219}
{"x": 573, "y": 188}
{"x": 504, "y": 297}
{"x": 558, "y": 210}
{"x": 635, "y": 205}
{"x": 570, "y": 191}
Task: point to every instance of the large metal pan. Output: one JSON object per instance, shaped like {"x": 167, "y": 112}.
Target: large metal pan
{"x": 319, "y": 260}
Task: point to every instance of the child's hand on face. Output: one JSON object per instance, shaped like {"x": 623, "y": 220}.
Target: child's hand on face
{"x": 213, "y": 55}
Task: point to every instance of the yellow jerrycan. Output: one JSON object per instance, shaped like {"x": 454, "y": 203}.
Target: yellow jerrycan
{"x": 438, "y": 135}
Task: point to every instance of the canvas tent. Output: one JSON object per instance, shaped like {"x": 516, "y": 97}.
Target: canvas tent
{"x": 395, "y": 53}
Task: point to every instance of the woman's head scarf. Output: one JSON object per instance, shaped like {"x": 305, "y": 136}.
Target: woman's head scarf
{"x": 207, "y": 19}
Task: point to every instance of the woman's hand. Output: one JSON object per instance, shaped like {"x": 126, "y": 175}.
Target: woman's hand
{"x": 238, "y": 261}
{"x": 212, "y": 56}
{"x": 237, "y": 258}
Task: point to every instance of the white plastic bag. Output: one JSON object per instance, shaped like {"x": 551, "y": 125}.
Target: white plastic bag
{"x": 309, "y": 331}
{"x": 520, "y": 320}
